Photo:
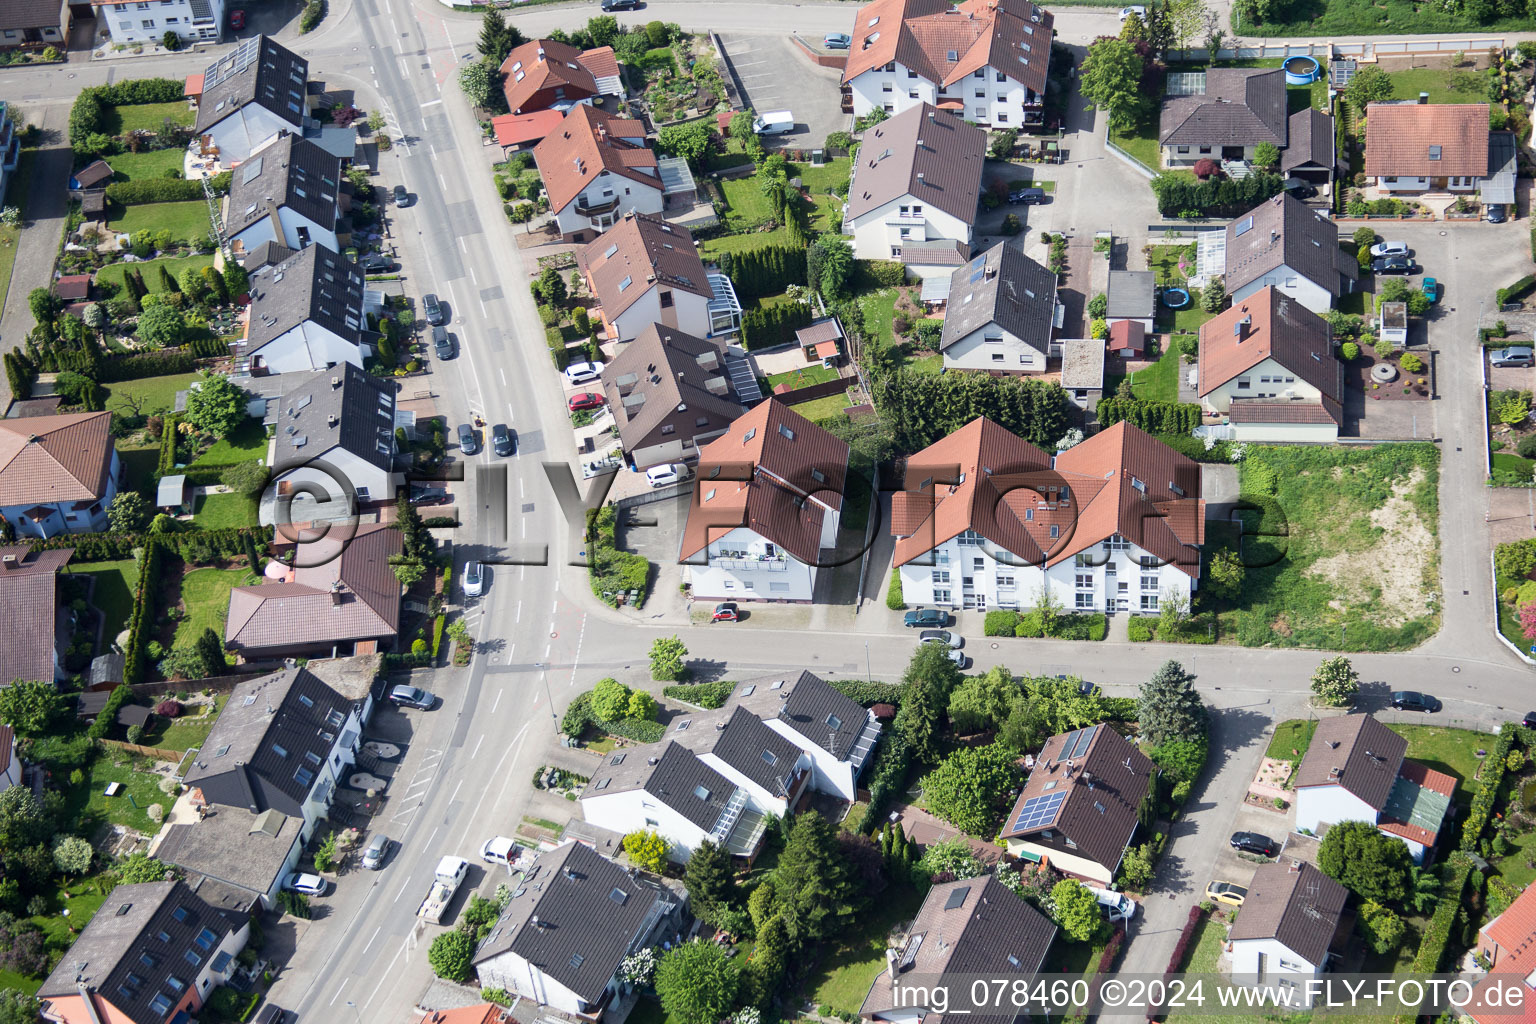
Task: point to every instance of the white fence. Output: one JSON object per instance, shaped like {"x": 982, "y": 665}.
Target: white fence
{"x": 1370, "y": 50}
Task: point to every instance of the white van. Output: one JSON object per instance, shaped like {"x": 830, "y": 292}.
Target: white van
{"x": 774, "y": 122}
{"x": 1117, "y": 905}
{"x": 666, "y": 474}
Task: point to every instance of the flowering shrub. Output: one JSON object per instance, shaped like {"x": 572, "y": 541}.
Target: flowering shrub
{"x": 168, "y": 708}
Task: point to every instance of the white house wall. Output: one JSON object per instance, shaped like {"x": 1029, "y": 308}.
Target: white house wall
{"x": 828, "y": 774}
{"x": 689, "y": 313}
{"x": 1266, "y": 380}
{"x": 292, "y": 221}
{"x": 748, "y": 579}
{"x": 361, "y": 473}
{"x": 633, "y": 196}
{"x": 148, "y": 22}
{"x": 62, "y": 517}
{"x": 1070, "y": 863}
{"x": 1280, "y": 965}
{"x": 1397, "y": 184}
{"x": 1299, "y": 287}
{"x": 308, "y": 346}
{"x": 515, "y": 974}
{"x": 638, "y": 811}
{"x": 759, "y": 798}
{"x": 994, "y": 349}
{"x": 232, "y": 944}
{"x": 1284, "y": 433}
{"x": 874, "y": 239}
{"x": 1001, "y": 104}
{"x": 1328, "y": 805}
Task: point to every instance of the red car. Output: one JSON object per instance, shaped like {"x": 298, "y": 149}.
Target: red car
{"x": 726, "y": 612}
{"x": 585, "y": 400}
{"x": 237, "y": 20}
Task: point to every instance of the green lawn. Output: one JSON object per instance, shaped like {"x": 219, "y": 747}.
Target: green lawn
{"x": 1190, "y": 319}
{"x": 1515, "y": 866}
{"x": 146, "y": 117}
{"x": 930, "y": 364}
{"x": 1453, "y": 751}
{"x": 711, "y": 247}
{"x": 248, "y": 443}
{"x": 149, "y": 270}
{"x": 811, "y": 373}
{"x": 185, "y": 732}
{"x": 879, "y": 313}
{"x": 1160, "y": 381}
{"x": 156, "y": 394}
{"x": 1293, "y": 734}
{"x": 1164, "y": 262}
{"x": 113, "y": 595}
{"x": 746, "y": 206}
{"x": 151, "y": 163}
{"x": 1141, "y": 142}
{"x": 205, "y": 595}
{"x": 87, "y": 803}
{"x": 82, "y": 898}
{"x": 825, "y": 177}
{"x": 1067, "y": 957}
{"x": 223, "y": 511}
{"x": 1462, "y": 85}
{"x": 823, "y": 408}
{"x": 8, "y": 238}
{"x": 139, "y": 466}
{"x": 850, "y": 963}
{"x": 184, "y": 220}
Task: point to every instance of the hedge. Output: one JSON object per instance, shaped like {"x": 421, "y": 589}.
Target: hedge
{"x": 1105, "y": 966}
{"x": 168, "y": 434}
{"x": 1533, "y": 243}
{"x": 1180, "y": 951}
{"x": 314, "y": 13}
{"x": 557, "y": 350}
{"x": 1178, "y": 196}
{"x": 888, "y": 777}
{"x": 895, "y": 600}
{"x": 767, "y": 270}
{"x": 776, "y": 325}
{"x": 869, "y": 693}
{"x": 641, "y": 730}
{"x": 1139, "y": 629}
{"x": 146, "y": 364}
{"x": 199, "y": 547}
{"x": 165, "y": 190}
{"x": 1068, "y": 625}
{"x": 437, "y": 635}
{"x": 1517, "y": 291}
{"x": 705, "y": 695}
{"x": 142, "y": 621}
{"x": 1437, "y": 934}
{"x": 1000, "y": 623}
{"x": 121, "y": 694}
{"x": 1153, "y": 417}
{"x": 137, "y": 91}
{"x": 1492, "y": 779}
{"x": 868, "y": 274}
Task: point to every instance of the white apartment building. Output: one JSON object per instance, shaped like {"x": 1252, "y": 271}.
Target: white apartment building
{"x": 147, "y": 21}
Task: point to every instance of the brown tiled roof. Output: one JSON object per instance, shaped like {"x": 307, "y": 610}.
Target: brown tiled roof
{"x": 1405, "y": 139}
{"x": 1366, "y": 753}
{"x": 29, "y": 604}
{"x": 1296, "y": 905}
{"x": 588, "y": 142}
{"x": 1127, "y": 336}
{"x": 56, "y": 458}
{"x": 544, "y": 64}
{"x": 1240, "y": 107}
{"x": 825, "y": 329}
{"x": 1278, "y": 410}
{"x": 665, "y": 377}
{"x": 772, "y": 472}
{"x": 1284, "y": 231}
{"x": 1312, "y": 140}
{"x": 300, "y": 610}
{"x": 1279, "y": 328}
{"x": 71, "y": 287}
{"x": 1103, "y": 785}
{"x": 94, "y": 173}
{"x": 1011, "y": 36}
{"x": 601, "y": 61}
{"x": 637, "y": 249}
{"x": 1514, "y": 931}
{"x": 945, "y": 171}
{"x": 23, "y": 14}
{"x": 520, "y": 129}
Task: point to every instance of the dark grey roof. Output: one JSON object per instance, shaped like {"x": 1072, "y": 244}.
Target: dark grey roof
{"x": 589, "y": 911}
{"x": 1356, "y": 752}
{"x": 259, "y": 70}
{"x": 149, "y": 940}
{"x": 822, "y": 714}
{"x": 313, "y": 284}
{"x": 273, "y": 731}
{"x": 1240, "y": 107}
{"x": 676, "y": 779}
{"x": 1005, "y": 287}
{"x": 755, "y": 750}
{"x": 23, "y": 14}
{"x": 1298, "y": 906}
{"x": 287, "y": 172}
{"x": 1284, "y": 231}
{"x": 666, "y": 378}
{"x": 233, "y": 846}
{"x": 1499, "y": 186}
{"x": 1130, "y": 294}
{"x": 1311, "y": 141}
{"x": 266, "y": 254}
{"x": 107, "y": 668}
{"x": 924, "y": 152}
{"x": 343, "y": 407}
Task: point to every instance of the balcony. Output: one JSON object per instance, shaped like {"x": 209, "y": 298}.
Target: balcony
{"x": 595, "y": 209}
{"x": 750, "y": 564}
{"x": 903, "y": 220}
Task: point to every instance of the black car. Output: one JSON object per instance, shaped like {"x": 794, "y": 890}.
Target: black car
{"x": 1027, "y": 197}
{"x": 442, "y": 343}
{"x": 376, "y": 263}
{"x": 926, "y": 618}
{"x": 469, "y": 444}
{"x": 1497, "y": 213}
{"x": 1412, "y": 700}
{"x": 402, "y": 197}
{"x": 1393, "y": 265}
{"x": 1301, "y": 189}
{"x": 1252, "y": 842}
{"x": 503, "y": 440}
{"x": 620, "y": 5}
{"x": 1529, "y": 721}
{"x": 432, "y": 308}
{"x": 429, "y": 496}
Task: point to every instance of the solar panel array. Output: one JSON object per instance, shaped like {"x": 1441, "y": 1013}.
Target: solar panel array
{"x": 1039, "y": 810}
{"x": 233, "y": 64}
{"x": 1076, "y": 743}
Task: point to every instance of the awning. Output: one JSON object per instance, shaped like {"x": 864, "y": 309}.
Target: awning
{"x": 935, "y": 289}
{"x": 1029, "y": 855}
{"x": 194, "y": 86}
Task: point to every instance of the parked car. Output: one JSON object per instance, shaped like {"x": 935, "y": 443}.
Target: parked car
{"x": 958, "y": 657}
{"x": 666, "y": 475}
{"x": 432, "y": 308}
{"x": 270, "y": 1013}
{"x": 1027, "y": 197}
{"x": 1229, "y": 893}
{"x": 1390, "y": 249}
{"x": 402, "y": 197}
{"x": 503, "y": 440}
{"x": 1300, "y": 189}
{"x": 584, "y": 400}
{"x": 1117, "y": 906}
{"x": 774, "y": 122}
{"x": 1431, "y": 289}
{"x": 309, "y": 885}
{"x": 429, "y": 496}
{"x": 620, "y": 5}
{"x": 1393, "y": 265}
{"x": 1252, "y": 842}
{"x": 1413, "y": 700}
{"x": 1136, "y": 9}
{"x": 412, "y": 697}
{"x": 469, "y": 444}
{"x": 583, "y": 373}
{"x": 941, "y": 636}
{"x": 1498, "y": 213}
{"x": 726, "y": 612}
{"x": 926, "y": 618}
{"x": 498, "y": 850}
{"x": 442, "y": 343}
{"x": 1514, "y": 355}
{"x": 474, "y": 579}
{"x": 1529, "y": 721}
{"x": 837, "y": 40}
{"x": 376, "y": 263}
{"x": 377, "y": 852}
{"x": 237, "y": 19}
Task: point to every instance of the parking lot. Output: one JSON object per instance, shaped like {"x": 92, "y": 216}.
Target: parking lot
{"x": 775, "y": 74}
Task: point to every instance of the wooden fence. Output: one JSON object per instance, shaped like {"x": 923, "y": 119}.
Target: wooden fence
{"x": 158, "y": 753}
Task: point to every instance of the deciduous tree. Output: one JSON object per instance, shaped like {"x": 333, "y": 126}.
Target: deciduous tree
{"x": 984, "y": 701}
{"x": 30, "y": 706}
{"x": 667, "y": 654}
{"x": 1383, "y": 930}
{"x": 73, "y": 855}
{"x": 647, "y": 850}
{"x": 610, "y": 700}
{"x": 215, "y": 405}
{"x": 1370, "y": 85}
{"x": 161, "y": 326}
{"x": 452, "y": 956}
{"x": 1111, "y": 80}
{"x": 970, "y": 787}
{"x": 1077, "y": 910}
{"x": 689, "y": 141}
{"x": 1336, "y": 682}
{"x": 128, "y": 512}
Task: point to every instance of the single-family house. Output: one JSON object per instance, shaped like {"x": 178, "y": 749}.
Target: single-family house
{"x": 914, "y": 190}
{"x": 544, "y": 74}
{"x": 1002, "y": 314}
{"x": 10, "y": 760}
{"x": 35, "y": 625}
{"x": 1292, "y": 924}
{"x": 1082, "y": 371}
{"x": 966, "y": 927}
{"x": 248, "y": 96}
{"x": 1511, "y": 936}
{"x": 130, "y": 23}
{"x": 670, "y": 394}
{"x": 1285, "y": 244}
{"x": 338, "y": 421}
{"x": 281, "y": 744}
{"x": 34, "y": 23}
{"x": 837, "y": 732}
{"x": 306, "y": 312}
{"x": 339, "y": 597}
{"x": 291, "y": 191}
{"x": 1355, "y": 771}
{"x": 985, "y": 60}
{"x": 572, "y": 919}
{"x": 821, "y": 340}
{"x": 596, "y": 168}
{"x": 987, "y": 520}
{"x": 1131, "y": 296}
{"x": 246, "y": 853}
{"x": 58, "y": 473}
{"x": 646, "y": 271}
{"x": 1080, "y": 805}
{"x": 151, "y": 955}
{"x": 1233, "y": 112}
{"x": 1311, "y": 155}
{"x": 1268, "y": 365}
{"x": 1426, "y": 147}
{"x": 767, "y": 503}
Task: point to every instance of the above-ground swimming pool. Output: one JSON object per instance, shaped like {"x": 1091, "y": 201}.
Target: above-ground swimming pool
{"x": 1175, "y": 298}
{"x": 1301, "y": 70}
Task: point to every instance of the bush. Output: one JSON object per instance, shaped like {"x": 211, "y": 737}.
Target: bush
{"x": 1139, "y": 629}
{"x": 705, "y": 695}
{"x": 1411, "y": 363}
{"x": 168, "y": 709}
{"x": 878, "y": 274}
{"x": 775, "y": 325}
{"x": 313, "y": 14}
{"x": 164, "y": 190}
{"x": 894, "y": 599}
{"x": 1000, "y": 623}
{"x": 1349, "y": 351}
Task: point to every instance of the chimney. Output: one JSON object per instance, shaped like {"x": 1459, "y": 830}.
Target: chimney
{"x": 335, "y": 382}
{"x": 331, "y": 420}
{"x": 1423, "y": 97}
{"x": 336, "y": 593}
{"x": 890, "y": 965}
{"x": 11, "y": 562}
{"x": 920, "y": 144}
{"x": 1241, "y": 328}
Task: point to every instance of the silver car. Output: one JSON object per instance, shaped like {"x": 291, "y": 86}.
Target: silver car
{"x": 474, "y": 579}
{"x": 377, "y": 852}
{"x": 941, "y": 636}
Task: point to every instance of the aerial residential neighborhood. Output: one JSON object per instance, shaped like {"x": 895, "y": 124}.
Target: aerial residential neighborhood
{"x": 606, "y": 511}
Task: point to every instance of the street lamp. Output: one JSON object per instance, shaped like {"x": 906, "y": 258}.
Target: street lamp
{"x": 356, "y": 1015}
{"x": 868, "y": 673}
{"x": 551, "y": 697}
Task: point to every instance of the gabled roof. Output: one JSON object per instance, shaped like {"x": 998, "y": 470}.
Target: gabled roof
{"x": 756, "y": 751}
{"x": 670, "y": 772}
{"x": 541, "y": 64}
{"x": 1269, "y": 324}
{"x": 1285, "y": 232}
{"x": 1514, "y": 931}
{"x": 623, "y": 261}
{"x": 972, "y": 926}
{"x": 1426, "y": 140}
{"x": 1088, "y": 785}
{"x": 287, "y": 173}
{"x": 66, "y": 457}
{"x": 923, "y": 152}
{"x": 484, "y": 1013}
{"x": 1355, "y": 752}
{"x": 1002, "y": 286}
{"x": 812, "y": 707}
{"x": 1312, "y": 141}
{"x": 29, "y": 605}
{"x": 92, "y": 174}
{"x": 1416, "y": 807}
{"x": 667, "y": 378}
{"x": 334, "y": 598}
{"x": 343, "y": 407}
{"x": 1011, "y": 36}
{"x": 233, "y": 846}
{"x": 259, "y": 70}
{"x": 313, "y": 284}
{"x": 266, "y": 254}
{"x": 521, "y": 129}
{"x": 1296, "y": 905}
{"x": 773, "y": 472}
{"x": 23, "y": 14}
{"x": 587, "y": 143}
{"x": 1240, "y": 107}
{"x": 574, "y": 914}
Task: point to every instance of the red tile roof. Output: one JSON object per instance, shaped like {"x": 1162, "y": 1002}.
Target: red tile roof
{"x": 55, "y": 458}
{"x": 485, "y": 1013}
{"x": 71, "y": 287}
{"x": 1011, "y": 36}
{"x": 521, "y": 129}
{"x": 586, "y": 143}
{"x": 1127, "y": 336}
{"x": 1402, "y": 139}
{"x": 1281, "y": 410}
{"x": 194, "y": 86}
{"x": 541, "y": 64}
{"x": 600, "y": 61}
{"x": 1514, "y": 931}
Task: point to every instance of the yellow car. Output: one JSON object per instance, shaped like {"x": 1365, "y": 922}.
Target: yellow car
{"x": 1229, "y": 893}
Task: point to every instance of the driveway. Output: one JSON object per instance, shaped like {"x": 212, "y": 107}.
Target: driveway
{"x": 775, "y": 74}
